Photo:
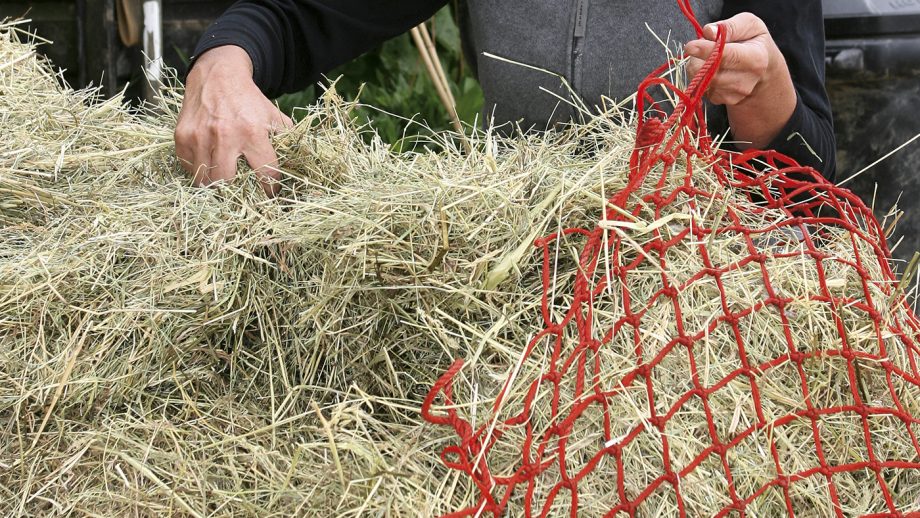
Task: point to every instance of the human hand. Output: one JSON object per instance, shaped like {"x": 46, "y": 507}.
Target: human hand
{"x": 224, "y": 116}
{"x": 750, "y": 59}
{"x": 753, "y": 80}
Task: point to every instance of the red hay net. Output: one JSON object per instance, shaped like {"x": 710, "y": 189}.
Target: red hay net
{"x": 660, "y": 145}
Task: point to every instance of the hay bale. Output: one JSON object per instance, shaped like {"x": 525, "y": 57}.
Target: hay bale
{"x": 174, "y": 350}
{"x": 131, "y": 301}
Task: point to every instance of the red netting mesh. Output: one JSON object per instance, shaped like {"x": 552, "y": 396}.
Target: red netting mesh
{"x": 575, "y": 341}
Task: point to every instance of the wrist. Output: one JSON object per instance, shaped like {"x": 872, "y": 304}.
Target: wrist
{"x": 758, "y": 119}
{"x": 229, "y": 59}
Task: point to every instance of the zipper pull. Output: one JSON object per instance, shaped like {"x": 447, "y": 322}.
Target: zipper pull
{"x": 581, "y": 18}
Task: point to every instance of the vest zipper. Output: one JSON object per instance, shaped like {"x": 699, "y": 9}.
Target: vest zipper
{"x": 578, "y": 37}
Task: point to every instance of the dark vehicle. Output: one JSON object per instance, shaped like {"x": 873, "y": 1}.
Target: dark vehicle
{"x": 113, "y": 43}
{"x": 873, "y": 60}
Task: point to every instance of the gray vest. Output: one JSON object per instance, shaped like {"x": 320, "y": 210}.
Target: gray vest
{"x": 599, "y": 47}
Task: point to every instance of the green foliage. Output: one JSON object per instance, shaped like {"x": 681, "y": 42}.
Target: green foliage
{"x": 395, "y": 80}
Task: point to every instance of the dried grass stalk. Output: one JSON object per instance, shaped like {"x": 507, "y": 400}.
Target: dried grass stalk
{"x": 210, "y": 352}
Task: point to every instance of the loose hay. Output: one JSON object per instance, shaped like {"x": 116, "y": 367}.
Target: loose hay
{"x": 209, "y": 352}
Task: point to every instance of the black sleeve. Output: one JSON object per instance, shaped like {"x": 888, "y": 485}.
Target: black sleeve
{"x": 797, "y": 27}
{"x": 292, "y": 42}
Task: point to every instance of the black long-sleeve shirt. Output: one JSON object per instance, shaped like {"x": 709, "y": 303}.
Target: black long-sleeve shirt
{"x": 292, "y": 42}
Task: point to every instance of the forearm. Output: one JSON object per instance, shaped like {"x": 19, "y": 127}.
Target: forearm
{"x": 808, "y": 138}
{"x": 292, "y": 42}
{"x": 758, "y": 119}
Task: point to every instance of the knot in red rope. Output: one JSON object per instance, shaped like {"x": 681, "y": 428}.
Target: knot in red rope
{"x": 651, "y": 132}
